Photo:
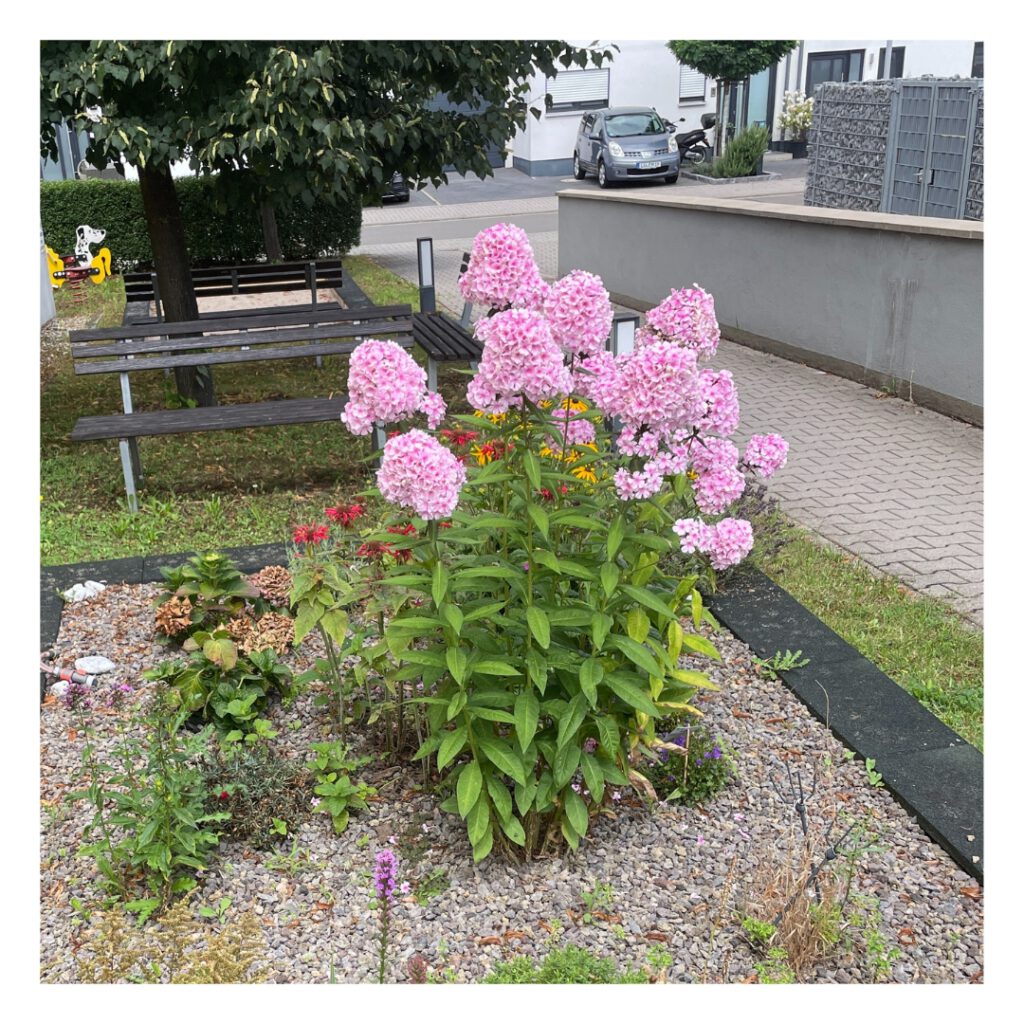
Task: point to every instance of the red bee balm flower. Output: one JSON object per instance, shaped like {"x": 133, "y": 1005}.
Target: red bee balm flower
{"x": 404, "y": 530}
{"x": 224, "y": 795}
{"x": 314, "y": 533}
{"x": 345, "y": 514}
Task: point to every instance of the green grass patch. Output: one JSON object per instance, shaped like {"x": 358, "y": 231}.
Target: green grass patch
{"x": 918, "y": 641}
{"x": 381, "y": 285}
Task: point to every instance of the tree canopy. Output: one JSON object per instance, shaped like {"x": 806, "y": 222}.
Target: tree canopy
{"x": 312, "y": 119}
{"x": 730, "y": 59}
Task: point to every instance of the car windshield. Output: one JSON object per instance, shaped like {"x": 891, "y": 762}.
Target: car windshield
{"x": 634, "y": 124}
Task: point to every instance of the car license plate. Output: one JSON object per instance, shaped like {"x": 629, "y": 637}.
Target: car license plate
{"x": 648, "y": 164}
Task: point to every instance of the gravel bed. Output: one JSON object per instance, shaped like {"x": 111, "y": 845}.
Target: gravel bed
{"x": 679, "y": 876}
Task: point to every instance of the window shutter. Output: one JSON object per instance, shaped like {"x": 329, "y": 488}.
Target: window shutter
{"x": 578, "y": 90}
{"x": 692, "y": 84}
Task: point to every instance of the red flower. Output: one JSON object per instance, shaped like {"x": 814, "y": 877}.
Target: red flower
{"x": 546, "y": 494}
{"x": 375, "y": 550}
{"x": 563, "y": 489}
{"x": 224, "y": 795}
{"x": 446, "y": 525}
{"x": 314, "y": 533}
{"x": 345, "y": 514}
{"x": 460, "y": 438}
{"x": 404, "y": 530}
{"x": 393, "y": 433}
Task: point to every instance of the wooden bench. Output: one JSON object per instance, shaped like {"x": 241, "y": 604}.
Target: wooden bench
{"x": 444, "y": 341}
{"x": 227, "y": 340}
{"x": 248, "y": 279}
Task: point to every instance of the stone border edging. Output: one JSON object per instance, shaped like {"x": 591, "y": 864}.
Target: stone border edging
{"x": 934, "y": 773}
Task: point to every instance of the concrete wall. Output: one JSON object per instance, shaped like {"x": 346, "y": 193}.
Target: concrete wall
{"x": 644, "y": 74}
{"x": 892, "y": 301}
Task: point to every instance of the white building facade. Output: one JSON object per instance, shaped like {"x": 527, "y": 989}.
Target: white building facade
{"x": 645, "y": 73}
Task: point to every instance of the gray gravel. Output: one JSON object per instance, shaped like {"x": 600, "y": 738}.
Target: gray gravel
{"x": 679, "y": 876}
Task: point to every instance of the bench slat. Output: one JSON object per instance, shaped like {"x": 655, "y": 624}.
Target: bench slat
{"x": 297, "y": 351}
{"x": 443, "y": 339}
{"x": 221, "y": 417}
{"x": 269, "y": 336}
{"x": 145, "y": 317}
{"x": 240, "y": 322}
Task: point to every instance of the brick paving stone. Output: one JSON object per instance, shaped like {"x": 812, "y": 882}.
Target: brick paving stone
{"x": 901, "y": 484}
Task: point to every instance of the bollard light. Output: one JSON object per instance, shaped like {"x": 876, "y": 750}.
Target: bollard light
{"x": 623, "y": 337}
{"x": 425, "y": 264}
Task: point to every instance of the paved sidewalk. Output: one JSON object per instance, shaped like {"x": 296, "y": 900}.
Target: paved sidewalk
{"x": 898, "y": 486}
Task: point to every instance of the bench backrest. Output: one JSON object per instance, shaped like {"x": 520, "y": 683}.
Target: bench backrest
{"x": 248, "y": 279}
{"x": 201, "y": 343}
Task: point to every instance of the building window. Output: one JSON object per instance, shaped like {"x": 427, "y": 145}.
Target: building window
{"x": 838, "y": 66}
{"x": 693, "y": 86}
{"x": 578, "y": 90}
{"x": 978, "y": 61}
{"x": 895, "y": 62}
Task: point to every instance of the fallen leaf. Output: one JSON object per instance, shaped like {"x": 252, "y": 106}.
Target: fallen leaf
{"x": 49, "y": 699}
{"x": 516, "y": 935}
{"x": 656, "y": 936}
{"x": 293, "y": 924}
{"x": 774, "y": 721}
{"x": 546, "y": 927}
{"x": 321, "y": 905}
{"x": 975, "y": 978}
{"x": 489, "y": 940}
{"x": 72, "y": 735}
{"x": 907, "y": 937}
{"x": 973, "y": 891}
{"x": 736, "y": 713}
{"x": 750, "y": 979}
{"x": 613, "y": 918}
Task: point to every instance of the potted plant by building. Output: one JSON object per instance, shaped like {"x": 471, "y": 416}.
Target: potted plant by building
{"x": 795, "y": 121}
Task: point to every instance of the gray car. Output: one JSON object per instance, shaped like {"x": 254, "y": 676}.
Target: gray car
{"x": 625, "y": 144}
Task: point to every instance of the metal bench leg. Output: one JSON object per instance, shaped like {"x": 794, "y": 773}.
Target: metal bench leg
{"x": 133, "y": 448}
{"x": 431, "y": 374}
{"x": 129, "y": 476}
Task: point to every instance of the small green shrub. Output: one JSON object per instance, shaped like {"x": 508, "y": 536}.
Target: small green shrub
{"x": 692, "y": 768}
{"x": 570, "y": 965}
{"x": 741, "y": 156}
{"x": 337, "y": 794}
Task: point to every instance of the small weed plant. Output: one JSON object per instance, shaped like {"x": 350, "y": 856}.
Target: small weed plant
{"x": 692, "y": 766}
{"x": 779, "y": 662}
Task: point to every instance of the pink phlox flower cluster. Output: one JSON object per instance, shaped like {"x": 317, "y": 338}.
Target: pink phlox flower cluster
{"x": 642, "y": 483}
{"x": 643, "y": 443}
{"x": 766, "y": 453}
{"x": 658, "y": 387}
{"x": 686, "y": 317}
{"x": 722, "y": 414}
{"x": 726, "y": 543}
{"x": 418, "y": 472}
{"x": 578, "y": 430}
{"x": 719, "y": 481}
{"x": 596, "y": 378}
{"x": 385, "y": 384}
{"x": 502, "y": 271}
{"x": 579, "y": 313}
{"x": 519, "y": 358}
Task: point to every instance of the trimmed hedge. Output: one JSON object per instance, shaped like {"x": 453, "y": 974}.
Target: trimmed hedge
{"x": 213, "y": 237}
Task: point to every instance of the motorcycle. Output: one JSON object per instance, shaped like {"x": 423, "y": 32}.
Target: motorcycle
{"x": 695, "y": 146}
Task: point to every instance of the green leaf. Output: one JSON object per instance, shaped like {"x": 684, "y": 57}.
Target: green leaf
{"x": 539, "y": 626}
{"x": 525, "y": 795}
{"x": 334, "y": 622}
{"x": 615, "y": 534}
{"x": 537, "y": 667}
{"x": 468, "y": 787}
{"x": 514, "y": 830}
{"x": 576, "y": 812}
{"x": 591, "y": 674}
{"x": 503, "y": 757}
{"x": 593, "y": 776}
{"x": 600, "y": 624}
{"x": 697, "y": 609}
{"x": 451, "y": 745}
{"x": 638, "y": 626}
{"x": 478, "y": 821}
{"x": 572, "y": 720}
{"x": 637, "y": 653}
{"x": 457, "y": 661}
{"x": 490, "y": 714}
{"x": 456, "y": 704}
{"x": 697, "y": 644}
{"x": 675, "y": 641}
{"x": 439, "y": 584}
{"x": 222, "y": 652}
{"x": 483, "y": 848}
{"x": 500, "y": 797}
{"x": 567, "y": 760}
{"x": 609, "y": 578}
{"x": 631, "y": 694}
{"x": 306, "y": 618}
{"x": 648, "y": 600}
{"x": 527, "y": 715}
{"x": 540, "y": 517}
{"x": 570, "y": 835}
{"x": 532, "y": 467}
{"x": 541, "y": 556}
{"x": 490, "y": 667}
{"x": 453, "y": 616}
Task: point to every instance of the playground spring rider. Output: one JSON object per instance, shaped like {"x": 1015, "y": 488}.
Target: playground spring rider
{"x": 81, "y": 264}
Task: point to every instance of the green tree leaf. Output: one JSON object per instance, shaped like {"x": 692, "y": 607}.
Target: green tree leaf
{"x": 539, "y": 626}
{"x": 468, "y": 787}
{"x": 527, "y": 715}
{"x": 502, "y": 757}
{"x": 576, "y": 811}
{"x": 452, "y": 744}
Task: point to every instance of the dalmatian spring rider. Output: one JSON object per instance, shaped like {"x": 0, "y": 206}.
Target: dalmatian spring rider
{"x": 81, "y": 264}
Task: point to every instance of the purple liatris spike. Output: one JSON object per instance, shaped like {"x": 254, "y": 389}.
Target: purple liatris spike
{"x": 384, "y": 874}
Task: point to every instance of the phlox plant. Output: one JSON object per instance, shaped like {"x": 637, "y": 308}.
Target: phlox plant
{"x": 546, "y": 634}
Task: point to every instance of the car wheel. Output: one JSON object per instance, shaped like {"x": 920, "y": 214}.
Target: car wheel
{"x": 672, "y": 178}
{"x": 602, "y": 175}
{"x": 577, "y": 168}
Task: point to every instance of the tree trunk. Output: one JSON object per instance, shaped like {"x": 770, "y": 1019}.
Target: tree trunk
{"x": 170, "y": 259}
{"x": 271, "y": 239}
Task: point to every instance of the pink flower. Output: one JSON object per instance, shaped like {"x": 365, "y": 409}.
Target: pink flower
{"x": 385, "y": 384}
{"x": 694, "y": 534}
{"x": 502, "y": 271}
{"x": 576, "y": 431}
{"x": 418, "y": 472}
{"x": 719, "y": 482}
{"x": 657, "y": 387}
{"x": 731, "y": 542}
{"x": 579, "y": 313}
{"x": 766, "y": 453}
{"x": 722, "y": 415}
{"x": 519, "y": 358}
{"x": 686, "y": 317}
{"x": 643, "y": 483}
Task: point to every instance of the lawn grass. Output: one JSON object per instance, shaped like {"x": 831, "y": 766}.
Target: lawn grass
{"x": 918, "y": 641}
{"x": 229, "y": 488}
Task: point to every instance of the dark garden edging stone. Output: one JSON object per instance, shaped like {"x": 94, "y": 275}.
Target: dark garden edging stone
{"x": 935, "y": 773}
